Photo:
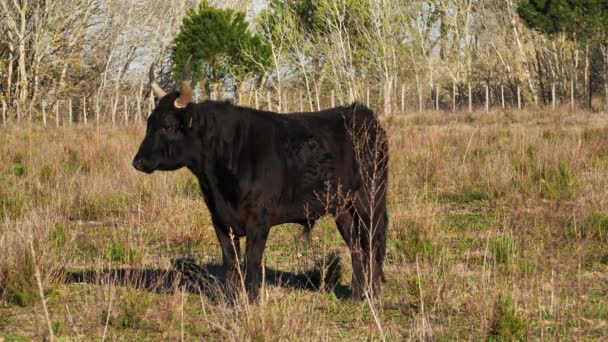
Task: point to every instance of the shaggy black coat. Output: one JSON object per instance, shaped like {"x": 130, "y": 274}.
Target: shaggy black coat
{"x": 258, "y": 169}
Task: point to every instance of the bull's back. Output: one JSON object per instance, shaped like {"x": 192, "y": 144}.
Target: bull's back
{"x": 331, "y": 146}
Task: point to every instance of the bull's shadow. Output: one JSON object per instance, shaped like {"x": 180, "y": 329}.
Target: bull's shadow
{"x": 208, "y": 279}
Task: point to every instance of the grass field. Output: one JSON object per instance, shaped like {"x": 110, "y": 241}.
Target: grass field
{"x": 498, "y": 231}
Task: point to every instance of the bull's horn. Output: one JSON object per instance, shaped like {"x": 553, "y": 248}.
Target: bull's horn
{"x": 186, "y": 95}
{"x": 156, "y": 89}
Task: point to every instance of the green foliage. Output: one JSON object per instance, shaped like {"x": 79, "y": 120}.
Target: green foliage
{"x": 18, "y": 170}
{"x": 580, "y": 19}
{"x": 56, "y": 326}
{"x": 507, "y": 324}
{"x": 309, "y": 21}
{"x": 220, "y": 43}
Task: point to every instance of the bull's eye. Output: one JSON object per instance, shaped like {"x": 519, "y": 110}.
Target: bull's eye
{"x": 170, "y": 129}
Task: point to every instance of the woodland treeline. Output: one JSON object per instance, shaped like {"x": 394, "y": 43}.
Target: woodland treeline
{"x": 396, "y": 54}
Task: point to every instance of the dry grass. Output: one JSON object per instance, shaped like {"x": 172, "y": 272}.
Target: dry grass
{"x": 499, "y": 231}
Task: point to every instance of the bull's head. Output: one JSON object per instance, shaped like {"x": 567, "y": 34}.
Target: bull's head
{"x": 169, "y": 136}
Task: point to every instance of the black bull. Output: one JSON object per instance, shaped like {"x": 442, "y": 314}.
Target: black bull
{"x": 258, "y": 169}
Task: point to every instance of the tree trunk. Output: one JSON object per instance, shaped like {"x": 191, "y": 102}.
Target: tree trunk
{"x": 57, "y": 113}
{"x": 9, "y": 78}
{"x": 317, "y": 96}
{"x": 587, "y": 76}
{"x": 140, "y": 94}
{"x": 126, "y": 109}
{"x": 572, "y": 94}
{"x": 437, "y": 98}
{"x": 487, "y": 98}
{"x": 43, "y": 104}
{"x": 453, "y": 96}
{"x": 522, "y": 53}
{"x": 553, "y": 95}
{"x": 18, "y": 110}
{"x": 237, "y": 93}
{"x": 3, "y": 113}
{"x": 84, "y": 110}
{"x": 518, "y": 97}
{"x": 70, "y": 111}
{"x": 22, "y": 66}
{"x": 470, "y": 97}
{"x": 388, "y": 89}
{"x": 419, "y": 88}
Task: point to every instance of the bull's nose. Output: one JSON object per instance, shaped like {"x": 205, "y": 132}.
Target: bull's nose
{"x": 138, "y": 164}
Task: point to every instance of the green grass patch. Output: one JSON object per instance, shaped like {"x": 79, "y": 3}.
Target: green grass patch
{"x": 73, "y": 163}
{"x": 594, "y": 226}
{"x": 18, "y": 170}
{"x": 474, "y": 221}
{"x": 502, "y": 248}
{"x": 594, "y": 134}
{"x": 192, "y": 188}
{"x": 132, "y": 312}
{"x": 58, "y": 236}
{"x": 15, "y": 338}
{"x": 12, "y": 205}
{"x": 19, "y": 285}
{"x": 598, "y": 163}
{"x": 556, "y": 182}
{"x": 475, "y": 194}
{"x": 412, "y": 239}
{"x": 122, "y": 254}
{"x": 90, "y": 209}
{"x": 507, "y": 325}
{"x": 46, "y": 174}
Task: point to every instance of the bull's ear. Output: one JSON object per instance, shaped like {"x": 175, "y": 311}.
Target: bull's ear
{"x": 186, "y": 95}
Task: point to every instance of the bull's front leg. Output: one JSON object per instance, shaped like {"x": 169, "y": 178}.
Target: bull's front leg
{"x": 256, "y": 242}
{"x": 231, "y": 251}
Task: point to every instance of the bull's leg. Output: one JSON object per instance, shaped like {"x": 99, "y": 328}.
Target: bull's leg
{"x": 256, "y": 242}
{"x": 372, "y": 238}
{"x": 348, "y": 227}
{"x": 231, "y": 250}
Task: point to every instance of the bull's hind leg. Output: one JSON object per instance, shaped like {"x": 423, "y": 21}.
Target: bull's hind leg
{"x": 378, "y": 251}
{"x": 366, "y": 239}
{"x": 348, "y": 227}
